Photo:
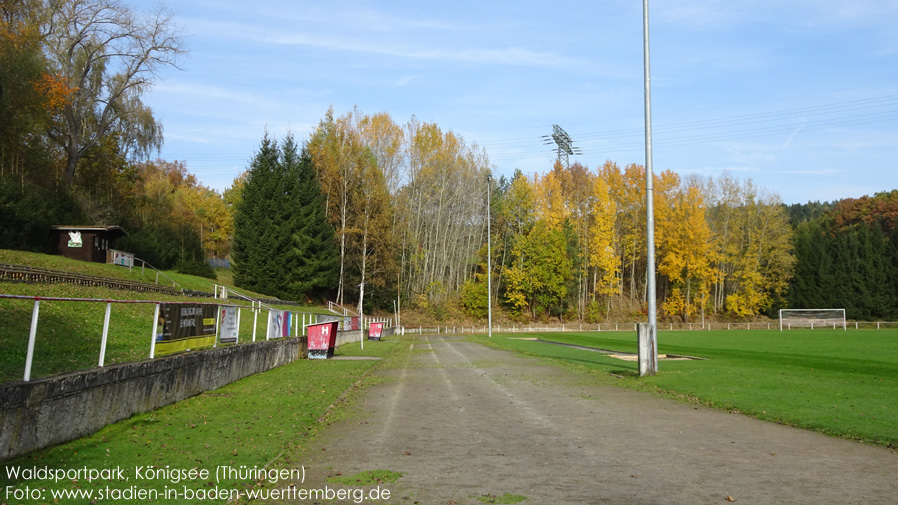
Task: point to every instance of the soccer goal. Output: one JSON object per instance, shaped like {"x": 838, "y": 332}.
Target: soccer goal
{"x": 812, "y": 318}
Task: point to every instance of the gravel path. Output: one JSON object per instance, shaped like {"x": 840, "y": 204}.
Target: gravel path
{"x": 463, "y": 422}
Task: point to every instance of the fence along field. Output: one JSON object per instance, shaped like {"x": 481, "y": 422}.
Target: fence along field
{"x": 70, "y": 334}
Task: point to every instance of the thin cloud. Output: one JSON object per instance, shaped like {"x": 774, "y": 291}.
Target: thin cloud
{"x": 510, "y": 56}
{"x": 385, "y": 46}
{"x": 215, "y": 93}
{"x": 820, "y": 171}
{"x": 791, "y": 136}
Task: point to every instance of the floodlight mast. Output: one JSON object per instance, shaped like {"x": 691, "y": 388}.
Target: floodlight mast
{"x": 489, "y": 259}
{"x": 564, "y": 145}
{"x": 649, "y": 197}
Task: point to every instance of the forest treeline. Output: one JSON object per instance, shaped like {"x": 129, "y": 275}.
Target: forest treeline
{"x": 76, "y": 137}
{"x": 370, "y": 212}
{"x": 848, "y": 256}
{"x": 409, "y": 203}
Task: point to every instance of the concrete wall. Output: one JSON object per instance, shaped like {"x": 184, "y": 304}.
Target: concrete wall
{"x": 52, "y": 410}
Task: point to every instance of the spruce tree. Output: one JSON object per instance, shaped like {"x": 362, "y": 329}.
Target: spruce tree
{"x": 311, "y": 252}
{"x": 254, "y": 253}
{"x": 283, "y": 243}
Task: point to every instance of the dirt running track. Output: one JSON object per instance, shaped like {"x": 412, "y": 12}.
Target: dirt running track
{"x": 463, "y": 421}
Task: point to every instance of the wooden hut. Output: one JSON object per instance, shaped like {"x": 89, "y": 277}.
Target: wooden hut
{"x": 86, "y": 243}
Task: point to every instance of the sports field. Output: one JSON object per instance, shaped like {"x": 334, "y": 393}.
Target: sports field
{"x": 832, "y": 381}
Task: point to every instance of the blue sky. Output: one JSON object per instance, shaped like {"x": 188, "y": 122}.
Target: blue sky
{"x": 799, "y": 96}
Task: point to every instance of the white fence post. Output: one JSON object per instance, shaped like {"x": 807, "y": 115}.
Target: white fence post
{"x": 32, "y": 334}
{"x": 267, "y": 323}
{"x": 105, "y": 333}
{"x": 155, "y": 327}
{"x": 255, "y": 320}
{"x": 239, "y": 311}
{"x": 217, "y": 327}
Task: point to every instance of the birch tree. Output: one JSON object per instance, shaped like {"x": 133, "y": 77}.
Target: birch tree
{"x": 443, "y": 204}
{"x": 336, "y": 152}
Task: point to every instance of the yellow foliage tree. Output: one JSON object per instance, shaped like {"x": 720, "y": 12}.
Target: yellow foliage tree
{"x": 686, "y": 252}
{"x": 604, "y": 257}
{"x": 550, "y": 201}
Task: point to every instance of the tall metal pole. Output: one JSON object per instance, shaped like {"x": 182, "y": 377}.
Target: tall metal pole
{"x": 361, "y": 315}
{"x": 489, "y": 260}
{"x": 649, "y": 197}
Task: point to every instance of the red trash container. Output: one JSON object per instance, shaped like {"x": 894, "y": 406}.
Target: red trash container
{"x": 322, "y": 340}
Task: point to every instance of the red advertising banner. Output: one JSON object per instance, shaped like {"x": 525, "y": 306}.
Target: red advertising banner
{"x": 375, "y": 330}
{"x": 322, "y": 340}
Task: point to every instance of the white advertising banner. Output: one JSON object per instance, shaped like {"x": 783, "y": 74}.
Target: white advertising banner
{"x": 278, "y": 324}
{"x": 228, "y": 325}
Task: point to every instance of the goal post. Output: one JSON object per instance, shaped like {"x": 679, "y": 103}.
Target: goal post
{"x": 812, "y": 318}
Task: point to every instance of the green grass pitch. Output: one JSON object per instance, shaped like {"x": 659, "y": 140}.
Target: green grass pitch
{"x": 832, "y": 381}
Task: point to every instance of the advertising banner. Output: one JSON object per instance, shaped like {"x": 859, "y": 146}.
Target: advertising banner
{"x": 278, "y": 324}
{"x": 375, "y": 330}
{"x": 122, "y": 259}
{"x": 185, "y": 326}
{"x": 227, "y": 325}
{"x": 322, "y": 340}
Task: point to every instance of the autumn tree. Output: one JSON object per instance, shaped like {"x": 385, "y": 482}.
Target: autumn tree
{"x": 28, "y": 93}
{"x": 162, "y": 228}
{"x": 30, "y": 201}
{"x": 442, "y": 206}
{"x": 108, "y": 56}
{"x": 627, "y": 189}
{"x": 209, "y": 213}
{"x": 538, "y": 281}
{"x": 374, "y": 245}
{"x": 604, "y": 258}
{"x": 536, "y": 277}
{"x": 338, "y": 155}
{"x": 753, "y": 245}
{"x": 686, "y": 253}
{"x": 517, "y": 215}
{"x": 385, "y": 140}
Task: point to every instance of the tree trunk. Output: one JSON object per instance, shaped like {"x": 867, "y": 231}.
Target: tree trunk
{"x": 71, "y": 163}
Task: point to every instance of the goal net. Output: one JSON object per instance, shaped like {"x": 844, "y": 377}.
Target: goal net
{"x": 812, "y": 318}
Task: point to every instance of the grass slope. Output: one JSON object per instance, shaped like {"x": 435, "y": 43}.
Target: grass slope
{"x": 835, "y": 382}
{"x": 69, "y": 333}
{"x": 262, "y": 421}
